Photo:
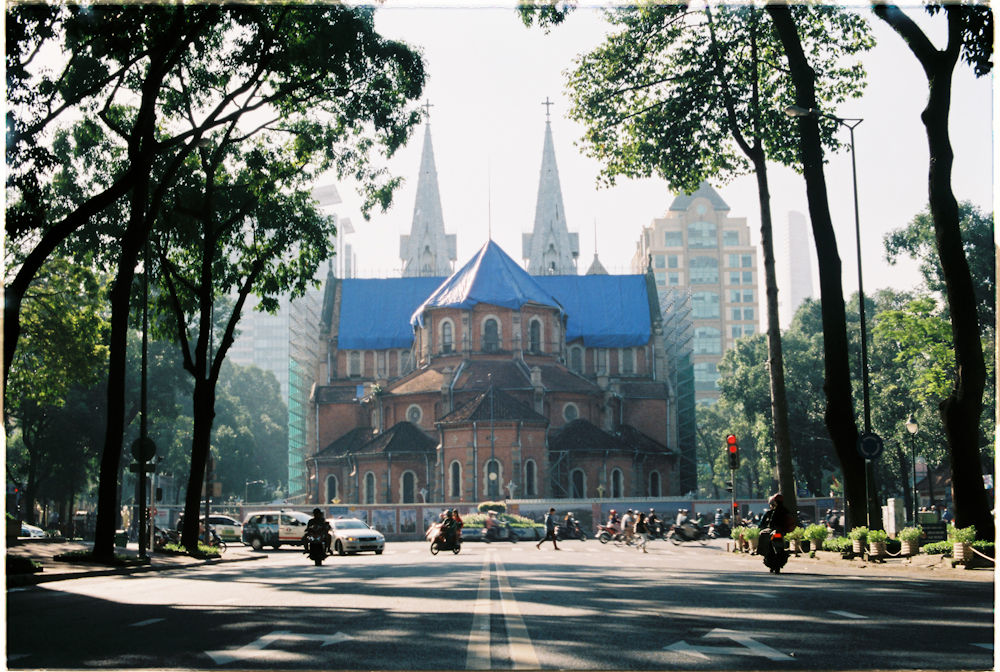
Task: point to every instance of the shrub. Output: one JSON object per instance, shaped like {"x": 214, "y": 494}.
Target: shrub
{"x": 736, "y": 533}
{"x": 17, "y": 564}
{"x": 499, "y": 507}
{"x": 817, "y": 533}
{"x": 911, "y": 533}
{"x": 837, "y": 544}
{"x": 985, "y": 547}
{"x": 797, "y": 533}
{"x": 878, "y": 536}
{"x": 751, "y": 533}
{"x": 939, "y": 548}
{"x": 858, "y": 534}
{"x": 965, "y": 536}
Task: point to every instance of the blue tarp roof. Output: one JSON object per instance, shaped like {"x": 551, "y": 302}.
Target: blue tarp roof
{"x": 375, "y": 314}
{"x": 490, "y": 277}
{"x": 607, "y": 311}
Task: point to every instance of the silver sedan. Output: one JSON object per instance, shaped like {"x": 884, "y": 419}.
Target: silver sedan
{"x": 351, "y": 535}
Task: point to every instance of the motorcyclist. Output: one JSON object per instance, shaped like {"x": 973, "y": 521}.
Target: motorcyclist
{"x": 569, "y": 525}
{"x": 653, "y": 523}
{"x": 459, "y": 523}
{"x": 700, "y": 520}
{"x": 449, "y": 528}
{"x": 491, "y": 524}
{"x": 776, "y": 519}
{"x": 319, "y": 525}
{"x": 613, "y": 521}
{"x": 718, "y": 517}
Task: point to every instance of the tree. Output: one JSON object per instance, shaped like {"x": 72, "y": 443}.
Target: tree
{"x": 970, "y": 37}
{"x": 790, "y": 25}
{"x": 691, "y": 95}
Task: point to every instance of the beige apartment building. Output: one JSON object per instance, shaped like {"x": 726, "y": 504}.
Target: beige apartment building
{"x": 697, "y": 247}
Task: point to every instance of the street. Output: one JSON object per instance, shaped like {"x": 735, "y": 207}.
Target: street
{"x": 509, "y": 606}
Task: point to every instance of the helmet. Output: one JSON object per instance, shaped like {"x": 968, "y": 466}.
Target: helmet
{"x": 317, "y": 512}
{"x": 718, "y": 510}
{"x": 652, "y": 511}
{"x": 613, "y": 511}
{"x": 776, "y": 498}
{"x": 629, "y": 511}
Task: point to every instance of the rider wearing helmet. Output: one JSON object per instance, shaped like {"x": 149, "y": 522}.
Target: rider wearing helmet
{"x": 319, "y": 524}
{"x": 718, "y": 517}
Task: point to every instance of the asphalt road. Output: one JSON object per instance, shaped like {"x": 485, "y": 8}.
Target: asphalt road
{"x": 509, "y": 606}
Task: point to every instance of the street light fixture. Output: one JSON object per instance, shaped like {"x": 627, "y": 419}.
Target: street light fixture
{"x": 912, "y": 427}
{"x": 795, "y": 111}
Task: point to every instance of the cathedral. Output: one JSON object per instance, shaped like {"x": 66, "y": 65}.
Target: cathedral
{"x": 497, "y": 380}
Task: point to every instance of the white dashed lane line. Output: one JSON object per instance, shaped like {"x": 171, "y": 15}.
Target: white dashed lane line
{"x": 147, "y": 622}
{"x": 985, "y": 646}
{"x": 847, "y": 614}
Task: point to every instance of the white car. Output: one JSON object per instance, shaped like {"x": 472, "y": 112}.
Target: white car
{"x": 350, "y": 535}
{"x": 31, "y": 531}
{"x": 228, "y": 528}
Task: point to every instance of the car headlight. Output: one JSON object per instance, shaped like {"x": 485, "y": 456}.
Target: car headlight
{"x": 352, "y": 538}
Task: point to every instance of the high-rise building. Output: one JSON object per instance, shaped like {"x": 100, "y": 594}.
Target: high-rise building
{"x": 794, "y": 266}
{"x": 696, "y": 246}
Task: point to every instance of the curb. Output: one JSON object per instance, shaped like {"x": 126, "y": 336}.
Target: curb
{"x": 20, "y": 580}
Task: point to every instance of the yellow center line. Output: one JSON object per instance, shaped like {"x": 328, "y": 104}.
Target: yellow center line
{"x": 522, "y": 651}
{"x": 478, "y": 654}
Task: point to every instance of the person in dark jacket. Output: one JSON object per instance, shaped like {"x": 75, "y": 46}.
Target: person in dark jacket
{"x": 550, "y": 530}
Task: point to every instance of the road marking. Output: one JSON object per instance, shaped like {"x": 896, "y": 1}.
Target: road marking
{"x": 617, "y": 550}
{"x": 847, "y": 614}
{"x": 147, "y": 622}
{"x": 985, "y": 646}
{"x": 517, "y": 549}
{"x": 416, "y": 551}
{"x": 478, "y": 654}
{"x": 748, "y": 647}
{"x": 254, "y": 648}
{"x": 760, "y": 594}
{"x": 390, "y": 552}
{"x": 522, "y": 652}
{"x": 593, "y": 550}
{"x": 227, "y": 601}
{"x": 566, "y": 548}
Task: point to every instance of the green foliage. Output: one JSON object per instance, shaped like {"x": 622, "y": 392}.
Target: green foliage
{"x": 797, "y": 533}
{"x": 939, "y": 548}
{"x": 86, "y": 556}
{"x": 985, "y": 547}
{"x": 17, "y": 564}
{"x": 475, "y": 520}
{"x": 499, "y": 507}
{"x": 910, "y": 533}
{"x": 750, "y": 533}
{"x": 817, "y": 533}
{"x": 837, "y": 545}
{"x": 877, "y": 536}
{"x": 858, "y": 534}
{"x": 965, "y": 535}
{"x": 736, "y": 532}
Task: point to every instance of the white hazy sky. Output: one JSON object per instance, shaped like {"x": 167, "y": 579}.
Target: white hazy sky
{"x": 488, "y": 78}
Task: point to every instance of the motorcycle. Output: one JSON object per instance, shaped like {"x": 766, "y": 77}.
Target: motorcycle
{"x": 498, "y": 532}
{"x": 772, "y": 547}
{"x": 570, "y": 531}
{"x": 316, "y": 547}
{"x": 719, "y": 531}
{"x": 606, "y": 533}
{"x": 439, "y": 543}
{"x": 680, "y": 533}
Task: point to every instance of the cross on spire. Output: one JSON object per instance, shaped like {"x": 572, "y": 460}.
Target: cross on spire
{"x": 547, "y": 104}
{"x": 427, "y": 108}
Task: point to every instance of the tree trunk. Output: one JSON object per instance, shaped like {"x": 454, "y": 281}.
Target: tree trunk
{"x": 905, "y": 470}
{"x": 839, "y": 417}
{"x": 961, "y": 410}
{"x": 204, "y": 415}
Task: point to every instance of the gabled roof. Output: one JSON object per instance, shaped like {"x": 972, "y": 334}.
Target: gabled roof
{"x": 503, "y": 408}
{"x": 705, "y": 190}
{"x": 583, "y": 436}
{"x": 640, "y": 442}
{"x": 349, "y": 443}
{"x": 403, "y": 437}
{"x": 489, "y": 277}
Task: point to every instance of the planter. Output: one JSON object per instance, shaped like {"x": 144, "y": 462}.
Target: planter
{"x": 910, "y": 547}
{"x": 806, "y": 545}
{"x": 876, "y": 549}
{"x": 795, "y": 546}
{"x": 753, "y": 545}
{"x": 962, "y": 551}
{"x": 858, "y": 547}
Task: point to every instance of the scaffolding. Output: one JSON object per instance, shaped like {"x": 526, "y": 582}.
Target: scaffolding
{"x": 675, "y": 307}
{"x": 304, "y": 352}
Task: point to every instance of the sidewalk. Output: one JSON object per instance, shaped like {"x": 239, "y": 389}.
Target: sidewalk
{"x": 43, "y": 551}
{"x": 918, "y": 563}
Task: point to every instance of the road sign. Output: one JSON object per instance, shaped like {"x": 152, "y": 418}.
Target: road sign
{"x": 870, "y": 446}
{"x": 143, "y": 451}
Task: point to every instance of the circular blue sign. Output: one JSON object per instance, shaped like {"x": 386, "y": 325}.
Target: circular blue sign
{"x": 870, "y": 446}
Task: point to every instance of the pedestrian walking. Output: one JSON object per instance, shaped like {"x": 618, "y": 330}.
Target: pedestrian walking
{"x": 550, "y": 530}
{"x": 642, "y": 530}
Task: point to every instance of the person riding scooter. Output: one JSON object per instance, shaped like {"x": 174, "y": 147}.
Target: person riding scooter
{"x": 774, "y": 524}
{"x": 449, "y": 529}
{"x": 319, "y": 525}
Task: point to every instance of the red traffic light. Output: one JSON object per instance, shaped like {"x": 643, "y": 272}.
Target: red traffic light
{"x": 731, "y": 442}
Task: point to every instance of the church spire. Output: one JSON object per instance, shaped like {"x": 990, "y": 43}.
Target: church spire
{"x": 550, "y": 248}
{"x": 427, "y": 250}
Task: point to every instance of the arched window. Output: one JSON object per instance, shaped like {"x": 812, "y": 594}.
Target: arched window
{"x": 576, "y": 360}
{"x": 530, "y": 482}
{"x": 579, "y": 490}
{"x": 654, "y": 484}
{"x": 702, "y": 234}
{"x": 404, "y": 362}
{"x": 491, "y": 336}
{"x": 369, "y": 488}
{"x": 331, "y": 489}
{"x": 628, "y": 361}
{"x": 456, "y": 479}
{"x": 492, "y": 484}
{"x": 707, "y": 341}
{"x": 617, "y": 488}
{"x": 705, "y": 305}
{"x": 704, "y": 271}
{"x": 446, "y": 337}
{"x": 535, "y": 337}
{"x": 355, "y": 364}
{"x": 408, "y": 486}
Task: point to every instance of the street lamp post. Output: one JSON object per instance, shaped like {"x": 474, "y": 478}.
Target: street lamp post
{"x": 912, "y": 427}
{"x": 851, "y": 124}
{"x": 493, "y": 476}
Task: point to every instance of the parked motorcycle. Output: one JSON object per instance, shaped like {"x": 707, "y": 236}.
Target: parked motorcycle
{"x": 772, "y": 547}
{"x": 316, "y": 547}
{"x": 680, "y": 533}
{"x": 498, "y": 532}
{"x": 571, "y": 531}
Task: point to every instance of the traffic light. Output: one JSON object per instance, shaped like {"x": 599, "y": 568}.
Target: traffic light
{"x": 736, "y": 513}
{"x": 729, "y": 486}
{"x": 159, "y": 494}
{"x": 734, "y": 451}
